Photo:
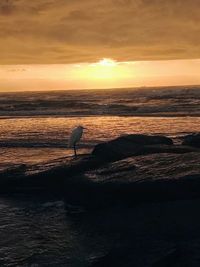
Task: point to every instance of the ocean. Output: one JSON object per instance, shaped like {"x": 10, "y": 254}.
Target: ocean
{"x": 35, "y": 127}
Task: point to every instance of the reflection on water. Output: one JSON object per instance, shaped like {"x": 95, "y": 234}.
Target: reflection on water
{"x": 183, "y": 100}
{"x": 43, "y": 231}
{"x": 19, "y": 137}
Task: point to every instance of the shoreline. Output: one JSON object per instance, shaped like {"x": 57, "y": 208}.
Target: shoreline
{"x": 135, "y": 197}
{"x": 100, "y": 115}
{"x": 115, "y": 166}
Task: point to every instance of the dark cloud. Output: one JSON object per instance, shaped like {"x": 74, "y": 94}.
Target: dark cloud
{"x": 65, "y": 31}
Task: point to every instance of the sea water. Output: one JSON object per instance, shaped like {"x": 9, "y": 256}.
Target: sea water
{"x": 35, "y": 127}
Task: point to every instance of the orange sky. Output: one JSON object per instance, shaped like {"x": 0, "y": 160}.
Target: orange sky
{"x": 64, "y": 31}
{"x": 105, "y": 73}
{"x": 54, "y": 44}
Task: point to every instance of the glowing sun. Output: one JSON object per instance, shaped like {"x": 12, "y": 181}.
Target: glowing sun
{"x": 107, "y": 62}
{"x": 105, "y": 72}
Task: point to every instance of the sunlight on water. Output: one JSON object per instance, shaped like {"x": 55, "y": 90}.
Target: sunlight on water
{"x": 51, "y": 232}
{"x": 19, "y": 137}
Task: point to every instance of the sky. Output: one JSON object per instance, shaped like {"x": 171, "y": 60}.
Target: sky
{"x": 62, "y": 44}
{"x": 103, "y": 74}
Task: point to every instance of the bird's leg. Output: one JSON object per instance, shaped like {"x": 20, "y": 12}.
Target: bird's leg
{"x": 75, "y": 151}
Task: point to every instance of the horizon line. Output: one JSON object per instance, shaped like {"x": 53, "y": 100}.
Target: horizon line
{"x": 99, "y": 89}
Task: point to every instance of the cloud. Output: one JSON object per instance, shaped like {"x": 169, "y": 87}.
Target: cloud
{"x": 65, "y": 31}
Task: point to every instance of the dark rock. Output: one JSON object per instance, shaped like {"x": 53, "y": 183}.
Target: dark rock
{"x": 117, "y": 257}
{"x": 47, "y": 175}
{"x": 192, "y": 140}
{"x": 171, "y": 258}
{"x": 155, "y": 234}
{"x": 175, "y": 149}
{"x": 143, "y": 140}
{"x": 13, "y": 169}
{"x": 153, "y": 177}
{"x": 125, "y": 256}
{"x": 156, "y": 170}
{"x": 128, "y": 145}
{"x": 134, "y": 145}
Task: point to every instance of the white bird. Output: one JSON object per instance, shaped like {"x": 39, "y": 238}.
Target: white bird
{"x": 75, "y": 137}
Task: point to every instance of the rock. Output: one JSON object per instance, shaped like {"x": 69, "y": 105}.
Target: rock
{"x": 152, "y": 169}
{"x": 142, "y": 139}
{"x": 47, "y": 175}
{"x": 155, "y": 177}
{"x": 125, "y": 256}
{"x": 192, "y": 140}
{"x": 167, "y": 233}
{"x": 176, "y": 149}
{"x": 171, "y": 258}
{"x": 118, "y": 257}
{"x": 133, "y": 145}
{"x": 128, "y": 145}
{"x": 12, "y": 169}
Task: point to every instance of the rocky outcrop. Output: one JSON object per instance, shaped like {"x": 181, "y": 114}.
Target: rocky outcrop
{"x": 128, "y": 145}
{"x": 125, "y": 170}
{"x": 131, "y": 197}
{"x": 192, "y": 140}
{"x": 135, "y": 144}
{"x": 45, "y": 176}
{"x": 145, "y": 200}
{"x": 150, "y": 234}
{"x": 155, "y": 177}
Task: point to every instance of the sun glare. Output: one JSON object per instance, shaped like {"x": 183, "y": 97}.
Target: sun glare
{"x": 106, "y": 72}
{"x": 104, "y": 69}
{"x": 107, "y": 62}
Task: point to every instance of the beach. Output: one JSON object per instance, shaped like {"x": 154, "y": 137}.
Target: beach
{"x": 39, "y": 123}
{"x": 136, "y": 204}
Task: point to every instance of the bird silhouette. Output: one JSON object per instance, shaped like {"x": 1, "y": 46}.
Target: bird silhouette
{"x": 75, "y": 137}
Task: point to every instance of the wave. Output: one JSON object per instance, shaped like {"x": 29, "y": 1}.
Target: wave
{"x": 145, "y": 101}
{"x": 44, "y": 144}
